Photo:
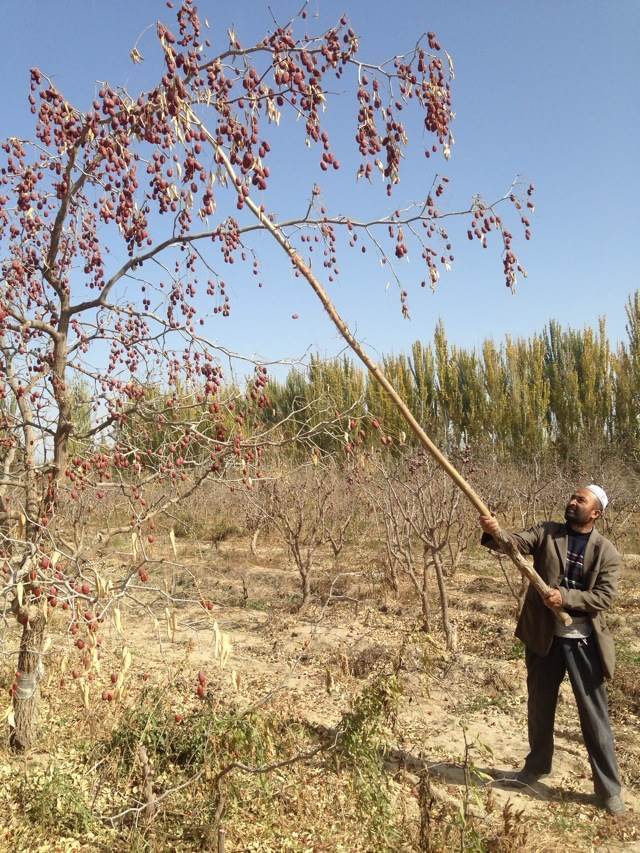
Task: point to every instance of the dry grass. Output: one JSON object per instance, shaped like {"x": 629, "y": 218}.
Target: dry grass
{"x": 306, "y": 675}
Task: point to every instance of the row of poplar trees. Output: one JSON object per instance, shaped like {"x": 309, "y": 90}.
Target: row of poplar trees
{"x": 564, "y": 391}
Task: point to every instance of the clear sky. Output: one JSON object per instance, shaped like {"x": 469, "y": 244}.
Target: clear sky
{"x": 548, "y": 90}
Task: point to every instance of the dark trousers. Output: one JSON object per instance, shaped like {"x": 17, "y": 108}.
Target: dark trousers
{"x": 581, "y": 659}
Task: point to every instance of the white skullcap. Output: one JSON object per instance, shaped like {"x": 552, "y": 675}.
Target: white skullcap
{"x": 600, "y": 493}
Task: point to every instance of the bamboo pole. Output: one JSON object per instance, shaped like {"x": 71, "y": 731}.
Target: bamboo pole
{"x": 504, "y": 542}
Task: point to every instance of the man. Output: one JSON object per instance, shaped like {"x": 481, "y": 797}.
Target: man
{"x": 581, "y": 567}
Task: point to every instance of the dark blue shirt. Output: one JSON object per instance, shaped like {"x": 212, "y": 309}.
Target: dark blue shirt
{"x": 573, "y": 576}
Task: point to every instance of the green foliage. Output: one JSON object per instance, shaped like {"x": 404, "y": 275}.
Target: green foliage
{"x": 218, "y": 736}
{"x": 562, "y": 392}
{"x": 517, "y": 651}
{"x": 278, "y": 809}
{"x": 361, "y": 750}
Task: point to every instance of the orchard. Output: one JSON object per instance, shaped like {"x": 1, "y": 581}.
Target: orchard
{"x": 123, "y": 417}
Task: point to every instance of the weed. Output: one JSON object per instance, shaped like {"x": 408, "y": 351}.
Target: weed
{"x": 513, "y": 834}
{"x": 186, "y": 525}
{"x": 517, "y": 651}
{"x": 220, "y": 736}
{"x": 361, "y": 750}
{"x": 55, "y": 801}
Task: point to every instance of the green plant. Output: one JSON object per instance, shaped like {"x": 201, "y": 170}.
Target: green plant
{"x": 55, "y": 801}
{"x": 361, "y": 749}
{"x": 218, "y": 736}
{"x": 517, "y": 651}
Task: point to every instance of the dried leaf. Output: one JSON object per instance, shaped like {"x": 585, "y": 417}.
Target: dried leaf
{"x": 172, "y": 624}
{"x": 452, "y": 72}
{"x": 95, "y": 663}
{"x": 272, "y": 112}
{"x": 117, "y": 620}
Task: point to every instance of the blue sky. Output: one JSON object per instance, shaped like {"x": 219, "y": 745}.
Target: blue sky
{"x": 547, "y": 90}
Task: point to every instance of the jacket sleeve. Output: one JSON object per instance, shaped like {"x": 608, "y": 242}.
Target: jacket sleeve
{"x": 603, "y": 591}
{"x": 526, "y": 540}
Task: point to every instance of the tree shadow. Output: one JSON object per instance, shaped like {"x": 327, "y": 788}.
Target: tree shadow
{"x": 485, "y": 777}
{"x": 503, "y": 780}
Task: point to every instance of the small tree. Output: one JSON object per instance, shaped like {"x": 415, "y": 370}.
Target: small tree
{"x": 428, "y": 527}
{"x": 303, "y": 507}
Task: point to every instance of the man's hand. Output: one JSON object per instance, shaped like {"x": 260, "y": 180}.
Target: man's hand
{"x": 489, "y": 524}
{"x": 553, "y": 599}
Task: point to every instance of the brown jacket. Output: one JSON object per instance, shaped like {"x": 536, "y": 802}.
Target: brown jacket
{"x": 547, "y": 542}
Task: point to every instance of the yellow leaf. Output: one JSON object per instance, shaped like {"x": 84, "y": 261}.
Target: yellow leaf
{"x": 117, "y": 620}
{"x": 171, "y": 624}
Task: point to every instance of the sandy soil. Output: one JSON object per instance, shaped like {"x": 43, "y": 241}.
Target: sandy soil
{"x": 473, "y": 698}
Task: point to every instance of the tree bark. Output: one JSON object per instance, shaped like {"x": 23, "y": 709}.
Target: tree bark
{"x": 30, "y": 671}
{"x": 449, "y": 629}
{"x": 424, "y": 599}
{"x": 254, "y": 542}
{"x": 306, "y": 589}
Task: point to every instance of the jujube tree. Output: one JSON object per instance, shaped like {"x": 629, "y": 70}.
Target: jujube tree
{"x": 114, "y": 222}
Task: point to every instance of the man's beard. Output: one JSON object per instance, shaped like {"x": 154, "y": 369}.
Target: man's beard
{"x": 576, "y": 516}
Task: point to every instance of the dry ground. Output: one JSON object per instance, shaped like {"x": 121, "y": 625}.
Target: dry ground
{"x": 310, "y": 666}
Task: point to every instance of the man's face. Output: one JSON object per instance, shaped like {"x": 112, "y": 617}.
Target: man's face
{"x": 582, "y": 507}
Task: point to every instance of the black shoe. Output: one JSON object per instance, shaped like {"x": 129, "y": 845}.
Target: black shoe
{"x": 613, "y": 805}
{"x": 524, "y": 778}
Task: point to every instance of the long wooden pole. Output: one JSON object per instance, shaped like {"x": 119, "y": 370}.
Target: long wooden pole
{"x": 505, "y": 543}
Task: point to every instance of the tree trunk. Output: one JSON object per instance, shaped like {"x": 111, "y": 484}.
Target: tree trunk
{"x": 449, "y": 629}
{"x": 30, "y": 671}
{"x": 391, "y": 574}
{"x": 306, "y": 589}
{"x": 254, "y": 541}
{"x": 424, "y": 599}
